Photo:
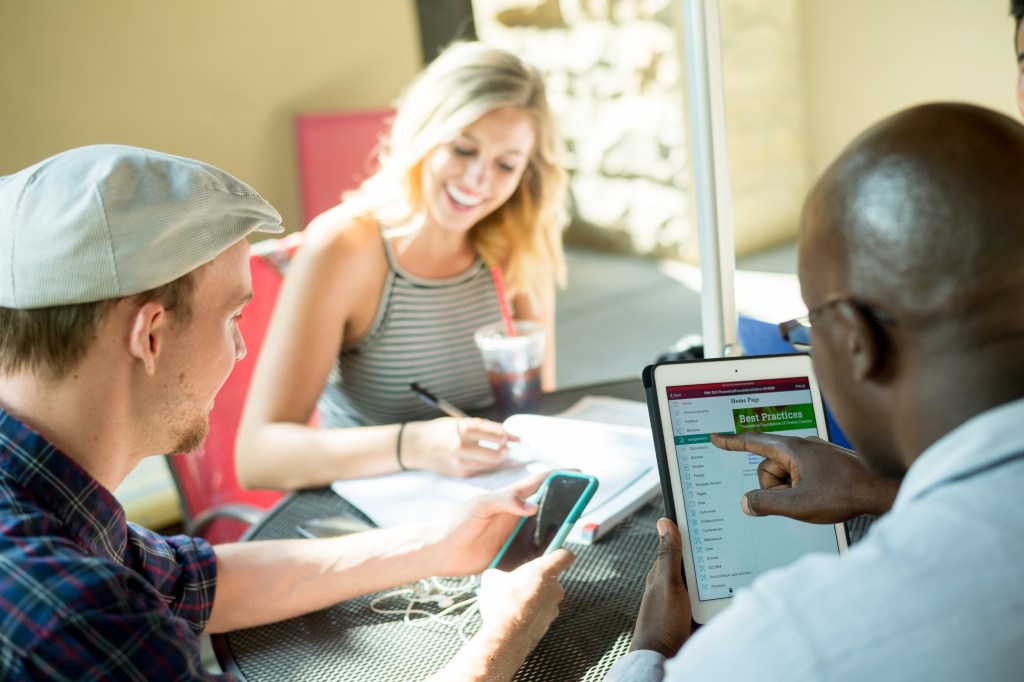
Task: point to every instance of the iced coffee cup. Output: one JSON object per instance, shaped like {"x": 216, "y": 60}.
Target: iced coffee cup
{"x": 513, "y": 365}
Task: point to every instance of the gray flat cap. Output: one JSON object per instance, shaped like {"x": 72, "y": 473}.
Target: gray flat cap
{"x": 108, "y": 221}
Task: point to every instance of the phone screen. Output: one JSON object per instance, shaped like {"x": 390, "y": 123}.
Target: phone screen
{"x": 535, "y": 533}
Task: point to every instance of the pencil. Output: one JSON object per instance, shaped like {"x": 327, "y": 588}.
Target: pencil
{"x": 435, "y": 401}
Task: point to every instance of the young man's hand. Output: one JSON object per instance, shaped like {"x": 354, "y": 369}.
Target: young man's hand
{"x": 517, "y": 608}
{"x": 525, "y": 601}
{"x": 467, "y": 540}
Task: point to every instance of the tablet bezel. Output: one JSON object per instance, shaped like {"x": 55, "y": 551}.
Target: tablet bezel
{"x": 722, "y": 370}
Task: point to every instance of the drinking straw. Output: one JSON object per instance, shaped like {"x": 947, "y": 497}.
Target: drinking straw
{"x": 506, "y": 313}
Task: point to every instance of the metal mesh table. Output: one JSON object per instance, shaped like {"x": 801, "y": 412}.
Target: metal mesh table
{"x": 348, "y": 641}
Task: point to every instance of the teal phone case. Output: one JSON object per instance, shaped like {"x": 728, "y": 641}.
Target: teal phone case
{"x": 570, "y": 520}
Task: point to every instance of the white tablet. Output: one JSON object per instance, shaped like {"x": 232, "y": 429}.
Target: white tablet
{"x": 724, "y": 550}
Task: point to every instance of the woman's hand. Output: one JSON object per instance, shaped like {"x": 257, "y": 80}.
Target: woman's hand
{"x": 455, "y": 447}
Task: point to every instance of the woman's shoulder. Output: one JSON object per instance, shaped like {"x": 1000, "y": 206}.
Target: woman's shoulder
{"x": 338, "y": 235}
{"x": 339, "y": 226}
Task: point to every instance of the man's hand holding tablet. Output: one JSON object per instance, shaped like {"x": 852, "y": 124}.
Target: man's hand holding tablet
{"x": 664, "y": 621}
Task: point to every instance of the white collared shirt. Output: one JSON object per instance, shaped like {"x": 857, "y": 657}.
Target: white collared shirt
{"x": 934, "y": 592}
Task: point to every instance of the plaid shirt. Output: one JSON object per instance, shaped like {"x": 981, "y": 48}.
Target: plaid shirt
{"x": 84, "y": 595}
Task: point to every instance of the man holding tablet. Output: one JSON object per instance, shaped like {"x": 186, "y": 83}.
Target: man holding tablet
{"x": 910, "y": 257}
{"x": 724, "y": 549}
{"x": 835, "y": 485}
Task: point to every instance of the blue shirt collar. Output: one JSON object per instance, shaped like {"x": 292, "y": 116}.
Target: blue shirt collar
{"x": 977, "y": 444}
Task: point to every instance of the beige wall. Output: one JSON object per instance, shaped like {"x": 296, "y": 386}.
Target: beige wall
{"x": 868, "y": 58}
{"x": 222, "y": 80}
{"x": 219, "y": 80}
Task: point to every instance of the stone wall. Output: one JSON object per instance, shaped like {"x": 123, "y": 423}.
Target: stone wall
{"x": 616, "y": 78}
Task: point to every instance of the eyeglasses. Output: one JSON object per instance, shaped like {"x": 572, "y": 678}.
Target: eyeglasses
{"x": 798, "y": 332}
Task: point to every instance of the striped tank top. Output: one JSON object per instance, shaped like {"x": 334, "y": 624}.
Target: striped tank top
{"x": 423, "y": 332}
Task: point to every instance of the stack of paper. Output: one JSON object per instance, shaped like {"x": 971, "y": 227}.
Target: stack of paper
{"x": 608, "y": 438}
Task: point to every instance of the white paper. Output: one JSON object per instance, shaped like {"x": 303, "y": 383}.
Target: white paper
{"x": 597, "y": 435}
{"x": 614, "y": 454}
{"x": 608, "y": 410}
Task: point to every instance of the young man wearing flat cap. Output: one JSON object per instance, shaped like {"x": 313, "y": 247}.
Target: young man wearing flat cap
{"x": 123, "y": 276}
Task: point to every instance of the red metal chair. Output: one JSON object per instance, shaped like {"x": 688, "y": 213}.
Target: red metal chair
{"x": 214, "y": 504}
{"x": 336, "y": 152}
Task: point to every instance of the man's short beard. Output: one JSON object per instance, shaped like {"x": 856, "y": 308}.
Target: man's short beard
{"x": 192, "y": 438}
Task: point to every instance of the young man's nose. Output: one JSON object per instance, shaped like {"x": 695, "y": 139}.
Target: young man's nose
{"x": 240, "y": 348}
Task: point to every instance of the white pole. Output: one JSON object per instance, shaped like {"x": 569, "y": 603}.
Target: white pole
{"x": 712, "y": 193}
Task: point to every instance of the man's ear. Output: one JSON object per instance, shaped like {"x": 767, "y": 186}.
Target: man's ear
{"x": 861, "y": 340}
{"x": 146, "y": 336}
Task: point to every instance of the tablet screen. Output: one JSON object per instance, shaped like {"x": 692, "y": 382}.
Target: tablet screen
{"x": 729, "y": 548}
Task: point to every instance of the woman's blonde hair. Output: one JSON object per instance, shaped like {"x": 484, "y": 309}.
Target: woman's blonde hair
{"x": 466, "y": 82}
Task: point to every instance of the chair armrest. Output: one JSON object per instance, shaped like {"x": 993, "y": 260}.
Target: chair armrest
{"x": 246, "y": 513}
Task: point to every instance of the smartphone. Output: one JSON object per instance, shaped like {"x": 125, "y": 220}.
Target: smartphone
{"x": 560, "y": 501}
{"x": 330, "y": 526}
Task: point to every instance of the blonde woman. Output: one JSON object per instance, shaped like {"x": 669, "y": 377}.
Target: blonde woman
{"x": 389, "y": 286}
